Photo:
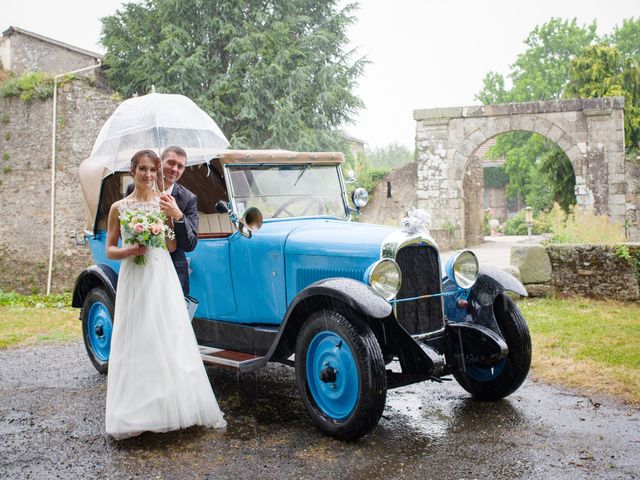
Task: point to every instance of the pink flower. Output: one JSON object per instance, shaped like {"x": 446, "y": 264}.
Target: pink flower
{"x": 155, "y": 229}
{"x": 138, "y": 228}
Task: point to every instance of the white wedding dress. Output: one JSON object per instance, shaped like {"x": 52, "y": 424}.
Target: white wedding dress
{"x": 156, "y": 380}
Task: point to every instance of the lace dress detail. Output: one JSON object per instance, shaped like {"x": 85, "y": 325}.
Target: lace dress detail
{"x": 128, "y": 204}
{"x": 157, "y": 381}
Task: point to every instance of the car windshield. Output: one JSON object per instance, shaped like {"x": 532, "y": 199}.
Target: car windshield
{"x": 282, "y": 191}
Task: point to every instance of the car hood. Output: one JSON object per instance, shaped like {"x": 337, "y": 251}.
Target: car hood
{"x": 336, "y": 238}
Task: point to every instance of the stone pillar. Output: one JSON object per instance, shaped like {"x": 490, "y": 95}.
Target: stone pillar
{"x": 632, "y": 214}
{"x": 473, "y": 188}
{"x": 597, "y": 171}
{"x": 432, "y": 172}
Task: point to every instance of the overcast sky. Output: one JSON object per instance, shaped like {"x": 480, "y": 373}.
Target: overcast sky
{"x": 423, "y": 54}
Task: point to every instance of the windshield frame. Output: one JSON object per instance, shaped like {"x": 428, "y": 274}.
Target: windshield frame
{"x": 228, "y": 168}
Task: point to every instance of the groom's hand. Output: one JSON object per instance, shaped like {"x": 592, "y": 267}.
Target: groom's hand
{"x": 169, "y": 206}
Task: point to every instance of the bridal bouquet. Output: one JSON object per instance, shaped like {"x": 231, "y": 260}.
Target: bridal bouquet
{"x": 145, "y": 228}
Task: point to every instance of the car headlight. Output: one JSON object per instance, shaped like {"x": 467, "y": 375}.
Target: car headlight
{"x": 462, "y": 268}
{"x": 385, "y": 278}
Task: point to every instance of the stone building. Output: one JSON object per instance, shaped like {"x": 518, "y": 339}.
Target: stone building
{"x": 355, "y": 144}
{"x": 26, "y": 128}
{"x": 22, "y": 51}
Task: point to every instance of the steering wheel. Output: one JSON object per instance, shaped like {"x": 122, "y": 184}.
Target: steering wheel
{"x": 312, "y": 201}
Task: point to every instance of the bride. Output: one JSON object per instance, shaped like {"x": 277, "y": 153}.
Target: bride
{"x": 157, "y": 381}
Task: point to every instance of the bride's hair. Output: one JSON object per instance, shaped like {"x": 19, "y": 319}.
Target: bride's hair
{"x": 150, "y": 154}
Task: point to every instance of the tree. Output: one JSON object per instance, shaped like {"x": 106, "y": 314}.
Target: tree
{"x": 627, "y": 38}
{"x": 538, "y": 169}
{"x": 390, "y": 156}
{"x": 272, "y": 73}
{"x": 540, "y": 73}
{"x": 602, "y": 71}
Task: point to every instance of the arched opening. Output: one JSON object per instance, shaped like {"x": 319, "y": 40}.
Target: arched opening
{"x": 508, "y": 172}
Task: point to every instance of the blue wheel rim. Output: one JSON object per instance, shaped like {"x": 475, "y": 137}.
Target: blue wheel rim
{"x": 337, "y": 396}
{"x": 486, "y": 374}
{"x": 99, "y": 327}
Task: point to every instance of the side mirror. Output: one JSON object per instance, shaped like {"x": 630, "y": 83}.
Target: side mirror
{"x": 251, "y": 219}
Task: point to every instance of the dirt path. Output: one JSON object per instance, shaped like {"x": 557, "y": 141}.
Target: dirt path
{"x": 52, "y": 426}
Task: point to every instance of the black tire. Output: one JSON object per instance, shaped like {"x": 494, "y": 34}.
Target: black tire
{"x": 98, "y": 298}
{"x": 368, "y": 362}
{"x": 516, "y": 365}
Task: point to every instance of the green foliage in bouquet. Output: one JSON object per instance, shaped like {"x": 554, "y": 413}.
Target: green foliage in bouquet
{"x": 145, "y": 228}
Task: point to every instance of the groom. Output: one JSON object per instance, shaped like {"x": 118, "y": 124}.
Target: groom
{"x": 180, "y": 205}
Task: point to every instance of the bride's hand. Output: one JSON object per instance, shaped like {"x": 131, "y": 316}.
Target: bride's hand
{"x": 137, "y": 250}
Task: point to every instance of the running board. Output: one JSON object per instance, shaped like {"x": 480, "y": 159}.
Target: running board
{"x": 228, "y": 358}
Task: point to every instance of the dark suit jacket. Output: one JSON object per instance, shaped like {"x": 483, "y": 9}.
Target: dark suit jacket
{"x": 186, "y": 232}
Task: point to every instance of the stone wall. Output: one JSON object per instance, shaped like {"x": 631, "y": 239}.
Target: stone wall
{"x": 596, "y": 271}
{"x": 389, "y": 210}
{"x": 25, "y": 185}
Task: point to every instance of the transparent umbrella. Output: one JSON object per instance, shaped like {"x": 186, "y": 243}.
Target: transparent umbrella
{"x": 156, "y": 121}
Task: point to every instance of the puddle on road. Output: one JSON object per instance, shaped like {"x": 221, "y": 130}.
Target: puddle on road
{"x": 419, "y": 413}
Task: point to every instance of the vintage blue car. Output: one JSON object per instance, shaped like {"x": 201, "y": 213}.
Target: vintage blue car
{"x": 284, "y": 273}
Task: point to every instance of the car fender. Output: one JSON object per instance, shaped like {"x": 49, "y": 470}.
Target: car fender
{"x": 355, "y": 294}
{"x": 330, "y": 292}
{"x": 491, "y": 282}
{"x": 100, "y": 275}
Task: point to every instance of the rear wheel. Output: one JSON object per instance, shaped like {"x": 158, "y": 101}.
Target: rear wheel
{"x": 340, "y": 374}
{"x": 97, "y": 325}
{"x": 503, "y": 378}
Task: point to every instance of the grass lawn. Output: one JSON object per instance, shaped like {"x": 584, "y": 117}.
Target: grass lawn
{"x": 21, "y": 325}
{"x": 26, "y": 319}
{"x": 592, "y": 345}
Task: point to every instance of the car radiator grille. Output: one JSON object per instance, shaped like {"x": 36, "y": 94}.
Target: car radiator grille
{"x": 420, "y": 268}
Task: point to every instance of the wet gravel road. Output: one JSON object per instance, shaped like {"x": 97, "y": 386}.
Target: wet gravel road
{"x": 52, "y": 426}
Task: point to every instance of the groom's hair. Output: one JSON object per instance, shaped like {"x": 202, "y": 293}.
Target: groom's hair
{"x": 175, "y": 149}
{"x": 150, "y": 154}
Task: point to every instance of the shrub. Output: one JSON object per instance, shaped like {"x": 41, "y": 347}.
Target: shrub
{"x": 517, "y": 226}
{"x": 486, "y": 229}
{"x": 583, "y": 226}
{"x": 28, "y": 86}
{"x": 12, "y": 299}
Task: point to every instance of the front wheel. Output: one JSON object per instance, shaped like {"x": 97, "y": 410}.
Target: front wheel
{"x": 340, "y": 374}
{"x": 504, "y": 378}
{"x": 97, "y": 325}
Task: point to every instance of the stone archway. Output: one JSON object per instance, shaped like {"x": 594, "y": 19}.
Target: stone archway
{"x": 590, "y": 131}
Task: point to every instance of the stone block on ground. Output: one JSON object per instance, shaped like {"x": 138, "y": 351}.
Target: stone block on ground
{"x": 533, "y": 263}
{"x": 513, "y": 270}
{"x": 540, "y": 290}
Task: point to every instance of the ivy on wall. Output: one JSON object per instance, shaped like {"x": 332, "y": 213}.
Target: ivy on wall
{"x": 495, "y": 177}
{"x": 30, "y": 86}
